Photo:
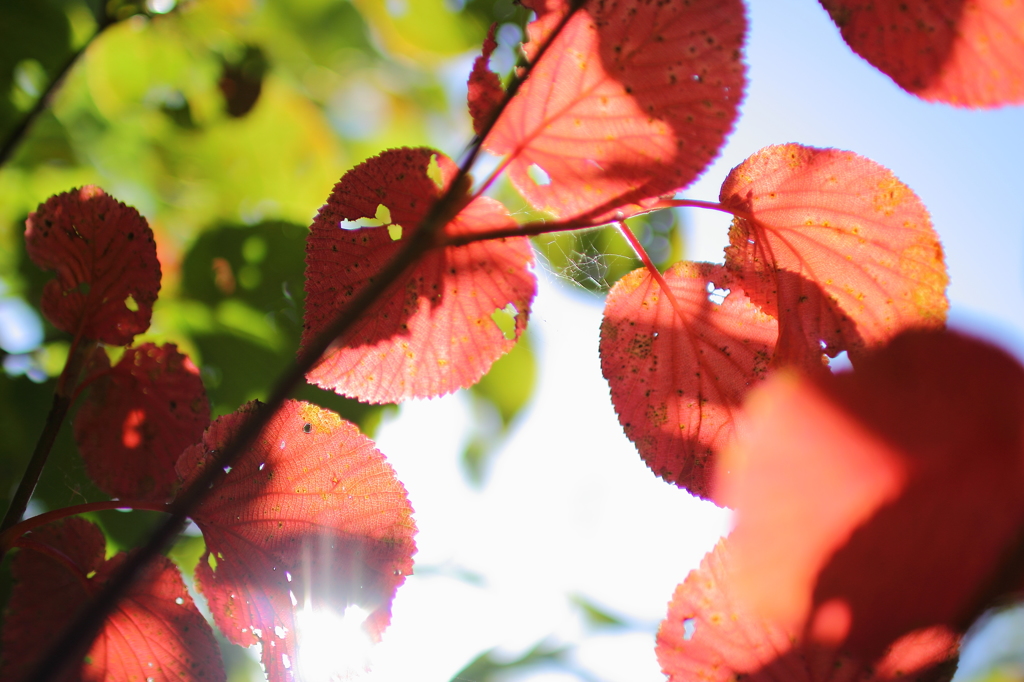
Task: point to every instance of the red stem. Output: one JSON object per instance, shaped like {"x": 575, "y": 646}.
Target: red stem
{"x": 649, "y": 264}
{"x": 696, "y": 203}
{"x": 9, "y": 537}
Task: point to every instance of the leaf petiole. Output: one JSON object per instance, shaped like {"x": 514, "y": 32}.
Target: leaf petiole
{"x": 11, "y": 537}
{"x": 712, "y": 205}
{"x": 641, "y": 252}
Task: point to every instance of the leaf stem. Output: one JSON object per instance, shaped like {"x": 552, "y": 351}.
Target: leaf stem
{"x": 524, "y": 230}
{"x": 641, "y": 252}
{"x": 63, "y": 396}
{"x": 80, "y": 632}
{"x": 20, "y": 130}
{"x": 10, "y": 537}
{"x": 696, "y": 203}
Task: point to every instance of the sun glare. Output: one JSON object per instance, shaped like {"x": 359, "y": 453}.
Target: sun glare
{"x": 332, "y": 647}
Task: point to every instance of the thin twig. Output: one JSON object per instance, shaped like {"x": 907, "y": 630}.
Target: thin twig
{"x": 63, "y": 396}
{"x": 80, "y": 632}
{"x": 20, "y": 130}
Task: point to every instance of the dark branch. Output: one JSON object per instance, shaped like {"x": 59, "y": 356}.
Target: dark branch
{"x": 76, "y": 637}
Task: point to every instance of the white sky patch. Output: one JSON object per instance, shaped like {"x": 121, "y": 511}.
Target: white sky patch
{"x": 570, "y": 509}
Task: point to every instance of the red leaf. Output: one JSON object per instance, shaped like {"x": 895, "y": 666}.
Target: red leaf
{"x": 711, "y": 635}
{"x": 835, "y": 247}
{"x": 963, "y": 52}
{"x": 881, "y": 501}
{"x": 155, "y": 633}
{"x": 485, "y": 91}
{"x": 677, "y": 377}
{"x": 103, "y": 252}
{"x": 137, "y": 420}
{"x": 311, "y": 512}
{"x": 632, "y": 101}
{"x": 432, "y": 332}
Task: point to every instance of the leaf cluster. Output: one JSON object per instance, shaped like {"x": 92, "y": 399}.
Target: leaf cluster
{"x": 412, "y": 281}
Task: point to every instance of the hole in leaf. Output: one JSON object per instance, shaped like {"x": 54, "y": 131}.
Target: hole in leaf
{"x": 716, "y": 295}
{"x": 434, "y": 172}
{"x": 131, "y": 304}
{"x": 395, "y": 232}
{"x": 383, "y": 214}
{"x": 210, "y": 559}
{"x": 179, "y": 601}
{"x": 840, "y": 363}
{"x": 306, "y": 428}
{"x": 90, "y": 574}
{"x": 689, "y": 627}
{"x": 505, "y": 318}
{"x": 538, "y": 174}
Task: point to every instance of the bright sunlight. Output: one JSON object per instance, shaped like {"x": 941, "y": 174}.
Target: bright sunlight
{"x": 332, "y": 647}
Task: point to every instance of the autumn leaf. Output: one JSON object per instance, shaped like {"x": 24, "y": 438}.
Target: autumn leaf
{"x": 679, "y": 364}
{"x": 632, "y": 101}
{"x": 969, "y": 53}
{"x": 155, "y": 633}
{"x": 311, "y": 517}
{"x": 434, "y": 330}
{"x": 485, "y": 90}
{"x": 104, "y": 255}
{"x": 835, "y": 247}
{"x": 137, "y": 419}
{"x": 911, "y": 464}
{"x": 711, "y": 634}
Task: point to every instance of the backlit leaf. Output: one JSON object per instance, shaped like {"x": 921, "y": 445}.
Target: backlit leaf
{"x": 485, "y": 90}
{"x": 633, "y": 100}
{"x": 311, "y": 517}
{"x": 138, "y": 418}
{"x": 834, "y": 246}
{"x": 911, "y": 464}
{"x": 432, "y": 332}
{"x": 677, "y": 376}
{"x": 710, "y": 634}
{"x": 963, "y": 52}
{"x": 103, "y": 252}
{"x": 155, "y": 633}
